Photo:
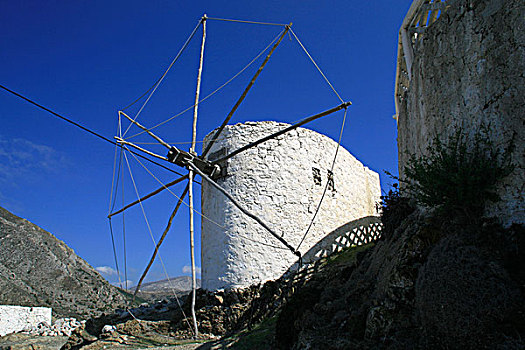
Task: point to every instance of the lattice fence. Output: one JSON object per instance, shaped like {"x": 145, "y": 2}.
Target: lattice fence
{"x": 358, "y": 235}
{"x": 421, "y": 15}
{"x": 355, "y": 233}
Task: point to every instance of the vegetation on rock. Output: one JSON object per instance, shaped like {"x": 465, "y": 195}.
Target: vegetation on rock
{"x": 459, "y": 174}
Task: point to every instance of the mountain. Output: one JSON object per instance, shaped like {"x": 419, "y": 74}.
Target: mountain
{"x": 37, "y": 269}
{"x": 164, "y": 289}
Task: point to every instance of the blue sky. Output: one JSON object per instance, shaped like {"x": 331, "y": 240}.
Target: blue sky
{"x": 88, "y": 59}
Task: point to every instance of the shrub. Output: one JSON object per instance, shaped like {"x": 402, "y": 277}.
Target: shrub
{"x": 456, "y": 175}
{"x": 394, "y": 209}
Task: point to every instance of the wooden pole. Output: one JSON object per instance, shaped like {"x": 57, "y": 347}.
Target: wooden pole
{"x": 161, "y": 141}
{"x": 121, "y": 141}
{"x": 168, "y": 226}
{"x": 283, "y": 131}
{"x": 164, "y": 187}
{"x": 243, "y": 210}
{"x": 245, "y": 92}
{"x": 190, "y": 179}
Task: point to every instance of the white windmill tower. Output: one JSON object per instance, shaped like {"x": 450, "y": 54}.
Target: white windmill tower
{"x": 212, "y": 165}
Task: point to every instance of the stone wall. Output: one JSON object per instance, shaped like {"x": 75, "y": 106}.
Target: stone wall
{"x": 468, "y": 71}
{"x": 281, "y": 181}
{"x": 17, "y": 318}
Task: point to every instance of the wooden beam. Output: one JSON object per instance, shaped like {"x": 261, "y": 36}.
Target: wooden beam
{"x": 245, "y": 211}
{"x": 285, "y": 130}
{"x": 161, "y": 141}
{"x": 164, "y": 187}
{"x": 121, "y": 141}
{"x": 168, "y": 226}
{"x": 219, "y": 131}
{"x": 190, "y": 181}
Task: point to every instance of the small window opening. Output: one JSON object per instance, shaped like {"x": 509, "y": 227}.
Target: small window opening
{"x": 331, "y": 185}
{"x": 317, "y": 176}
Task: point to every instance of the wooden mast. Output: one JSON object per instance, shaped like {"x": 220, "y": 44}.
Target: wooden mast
{"x": 190, "y": 179}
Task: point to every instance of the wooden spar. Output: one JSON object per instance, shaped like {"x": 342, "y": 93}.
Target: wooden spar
{"x": 119, "y": 140}
{"x": 243, "y": 210}
{"x": 161, "y": 141}
{"x": 285, "y": 130}
{"x": 190, "y": 181}
{"x": 174, "y": 182}
{"x": 219, "y": 131}
{"x": 168, "y": 226}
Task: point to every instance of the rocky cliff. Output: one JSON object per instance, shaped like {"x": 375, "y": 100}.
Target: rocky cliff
{"x": 36, "y": 269}
{"x": 431, "y": 283}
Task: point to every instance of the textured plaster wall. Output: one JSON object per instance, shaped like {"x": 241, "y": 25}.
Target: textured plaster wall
{"x": 17, "y": 318}
{"x": 469, "y": 70}
{"x": 281, "y": 181}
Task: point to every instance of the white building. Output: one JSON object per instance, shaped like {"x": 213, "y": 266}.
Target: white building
{"x": 281, "y": 181}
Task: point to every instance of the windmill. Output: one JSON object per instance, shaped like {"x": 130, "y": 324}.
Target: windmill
{"x": 195, "y": 164}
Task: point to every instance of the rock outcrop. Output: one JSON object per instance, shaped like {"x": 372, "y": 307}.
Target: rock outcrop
{"x": 36, "y": 269}
{"x": 432, "y": 284}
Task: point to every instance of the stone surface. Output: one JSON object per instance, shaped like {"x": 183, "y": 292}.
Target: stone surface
{"x": 17, "y": 318}
{"x": 281, "y": 181}
{"x": 469, "y": 70}
{"x": 19, "y": 341}
{"x": 36, "y": 269}
{"x": 432, "y": 284}
{"x": 61, "y": 327}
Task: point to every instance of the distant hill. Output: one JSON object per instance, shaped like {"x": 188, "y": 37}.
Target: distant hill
{"x": 164, "y": 289}
{"x": 37, "y": 269}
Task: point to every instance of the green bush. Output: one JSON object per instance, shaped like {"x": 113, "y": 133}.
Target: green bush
{"x": 394, "y": 209}
{"x": 456, "y": 175}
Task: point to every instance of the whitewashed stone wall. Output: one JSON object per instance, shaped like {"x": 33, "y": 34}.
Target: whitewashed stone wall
{"x": 17, "y": 318}
{"x": 468, "y": 71}
{"x": 281, "y": 181}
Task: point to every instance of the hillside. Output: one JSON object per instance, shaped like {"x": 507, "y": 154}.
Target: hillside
{"x": 37, "y": 269}
{"x": 164, "y": 289}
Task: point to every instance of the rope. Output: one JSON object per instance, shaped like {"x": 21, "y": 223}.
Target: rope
{"x": 154, "y": 242}
{"x": 157, "y": 83}
{"x": 112, "y": 201}
{"x": 212, "y": 93}
{"x": 243, "y": 210}
{"x": 114, "y": 251}
{"x": 248, "y": 22}
{"x": 316, "y": 66}
{"x": 170, "y": 191}
{"x": 245, "y": 92}
{"x": 327, "y": 182}
{"x": 136, "y": 319}
{"x": 201, "y": 214}
{"x": 111, "y": 198}
{"x": 83, "y": 128}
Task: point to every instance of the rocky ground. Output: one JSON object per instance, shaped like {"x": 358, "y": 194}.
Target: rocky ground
{"x": 430, "y": 283}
